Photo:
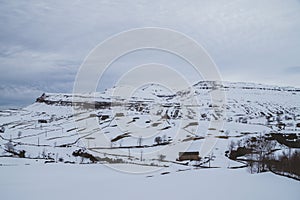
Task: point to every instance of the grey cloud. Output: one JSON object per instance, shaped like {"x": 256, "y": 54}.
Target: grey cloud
{"x": 42, "y": 43}
{"x": 15, "y": 95}
{"x": 292, "y": 70}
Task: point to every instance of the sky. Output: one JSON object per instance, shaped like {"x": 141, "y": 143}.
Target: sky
{"x": 43, "y": 43}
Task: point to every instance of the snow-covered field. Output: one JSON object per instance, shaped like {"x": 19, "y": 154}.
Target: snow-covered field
{"x": 59, "y": 181}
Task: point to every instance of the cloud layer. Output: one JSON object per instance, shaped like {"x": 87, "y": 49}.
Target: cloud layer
{"x": 42, "y": 44}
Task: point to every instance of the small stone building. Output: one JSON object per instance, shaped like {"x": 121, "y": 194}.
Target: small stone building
{"x": 194, "y": 155}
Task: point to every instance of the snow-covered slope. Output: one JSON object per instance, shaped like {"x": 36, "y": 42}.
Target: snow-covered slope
{"x": 148, "y": 127}
{"x": 175, "y": 139}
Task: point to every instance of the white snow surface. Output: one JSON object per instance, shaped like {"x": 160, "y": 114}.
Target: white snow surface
{"x": 74, "y": 182}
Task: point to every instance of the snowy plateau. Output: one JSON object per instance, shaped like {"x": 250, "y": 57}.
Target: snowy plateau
{"x": 154, "y": 144}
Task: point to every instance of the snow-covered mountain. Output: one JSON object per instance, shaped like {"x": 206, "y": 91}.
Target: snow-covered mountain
{"x": 152, "y": 127}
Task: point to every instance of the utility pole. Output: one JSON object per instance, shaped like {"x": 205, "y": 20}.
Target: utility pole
{"x": 140, "y": 139}
{"x": 141, "y": 155}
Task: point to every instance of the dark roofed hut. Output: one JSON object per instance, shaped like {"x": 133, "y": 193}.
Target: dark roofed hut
{"x": 193, "y": 155}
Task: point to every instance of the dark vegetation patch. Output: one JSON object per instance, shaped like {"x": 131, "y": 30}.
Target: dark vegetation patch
{"x": 222, "y": 137}
{"x": 261, "y": 155}
{"x": 192, "y": 138}
{"x": 85, "y": 155}
{"x": 165, "y": 128}
{"x": 72, "y": 129}
{"x": 119, "y": 137}
{"x": 289, "y": 140}
{"x": 81, "y": 153}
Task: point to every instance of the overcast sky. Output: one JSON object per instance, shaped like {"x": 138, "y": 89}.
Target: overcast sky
{"x": 42, "y": 44}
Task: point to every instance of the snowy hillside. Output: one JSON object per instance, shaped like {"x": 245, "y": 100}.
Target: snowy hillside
{"x": 158, "y": 131}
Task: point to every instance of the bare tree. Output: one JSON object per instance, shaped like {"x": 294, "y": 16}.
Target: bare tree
{"x": 9, "y": 147}
{"x": 161, "y": 157}
{"x": 141, "y": 158}
{"x": 19, "y": 134}
{"x": 158, "y": 140}
{"x": 140, "y": 140}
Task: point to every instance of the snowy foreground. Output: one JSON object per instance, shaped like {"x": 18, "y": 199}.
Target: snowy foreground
{"x": 59, "y": 181}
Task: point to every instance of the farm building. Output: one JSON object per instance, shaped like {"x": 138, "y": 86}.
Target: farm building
{"x": 194, "y": 155}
